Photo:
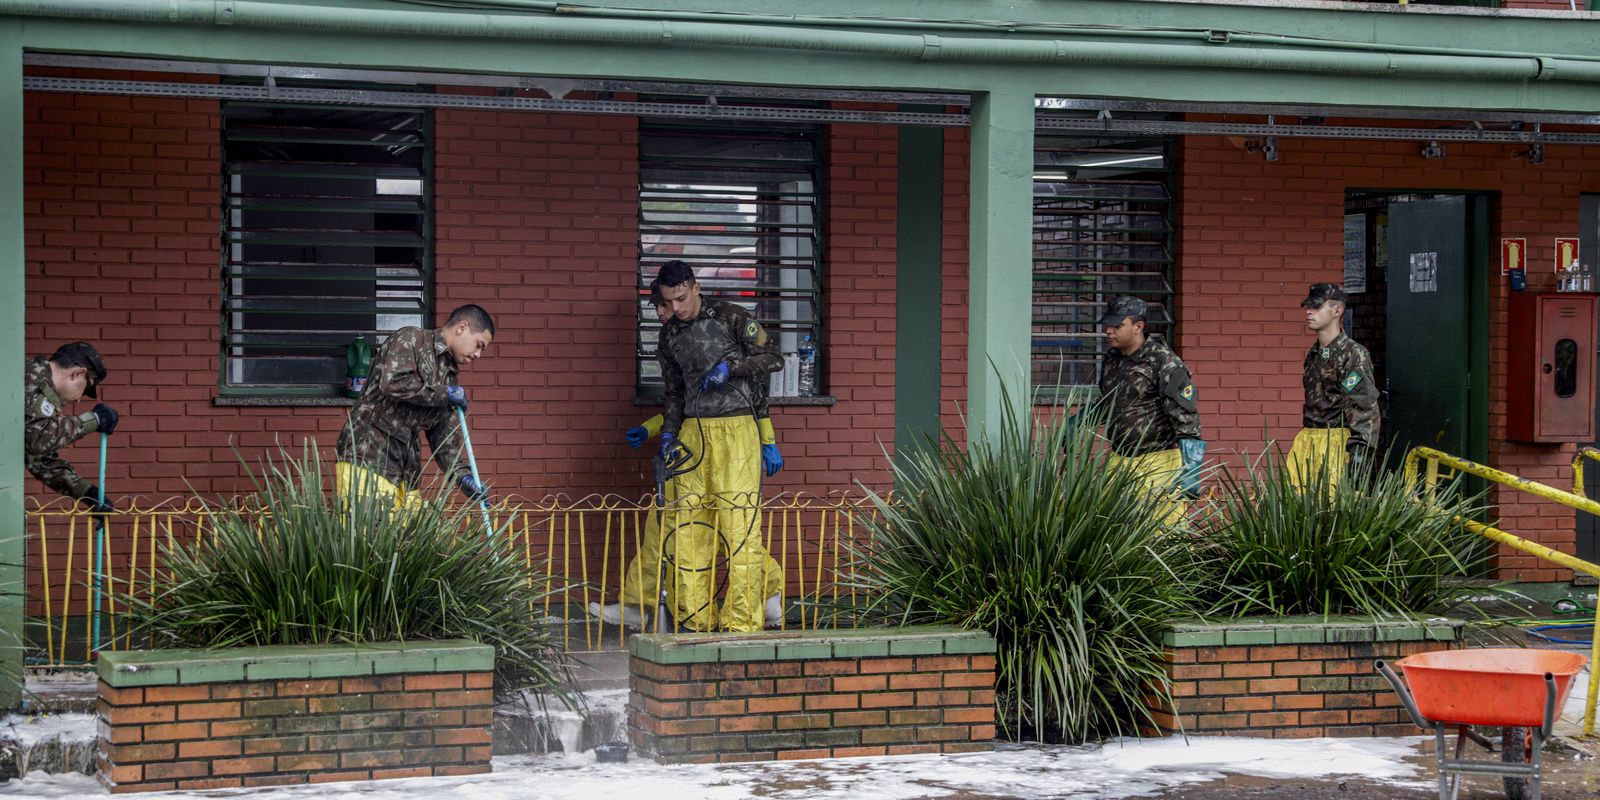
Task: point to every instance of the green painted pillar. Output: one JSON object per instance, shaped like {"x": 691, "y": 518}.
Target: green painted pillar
{"x": 919, "y": 286}
{"x": 1000, "y": 306}
{"x": 12, "y": 348}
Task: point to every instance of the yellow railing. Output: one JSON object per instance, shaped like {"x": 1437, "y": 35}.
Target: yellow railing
{"x": 585, "y": 545}
{"x": 1437, "y": 460}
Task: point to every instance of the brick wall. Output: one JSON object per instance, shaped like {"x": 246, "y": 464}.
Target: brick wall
{"x": 711, "y": 699}
{"x": 1255, "y": 233}
{"x": 426, "y": 711}
{"x": 1291, "y": 680}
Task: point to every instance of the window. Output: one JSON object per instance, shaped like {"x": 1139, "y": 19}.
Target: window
{"x": 326, "y": 239}
{"x": 741, "y": 206}
{"x": 1103, "y": 226}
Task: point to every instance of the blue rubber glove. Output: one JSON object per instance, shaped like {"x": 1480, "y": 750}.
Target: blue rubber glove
{"x": 475, "y": 491}
{"x": 456, "y": 396}
{"x": 636, "y": 436}
{"x": 1194, "y": 454}
{"x": 716, "y": 376}
{"x": 771, "y": 459}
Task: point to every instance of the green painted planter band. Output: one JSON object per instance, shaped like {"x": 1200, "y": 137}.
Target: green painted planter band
{"x": 702, "y": 648}
{"x": 1313, "y": 629}
{"x": 169, "y": 667}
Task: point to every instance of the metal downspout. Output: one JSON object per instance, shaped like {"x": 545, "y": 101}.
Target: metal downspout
{"x": 246, "y": 13}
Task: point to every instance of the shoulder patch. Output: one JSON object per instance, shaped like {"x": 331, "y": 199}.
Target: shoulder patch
{"x": 754, "y": 333}
{"x": 1188, "y": 392}
{"x": 46, "y": 408}
{"x": 1351, "y": 381}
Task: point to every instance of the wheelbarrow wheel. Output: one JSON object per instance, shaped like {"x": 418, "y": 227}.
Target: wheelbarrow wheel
{"x": 1514, "y": 744}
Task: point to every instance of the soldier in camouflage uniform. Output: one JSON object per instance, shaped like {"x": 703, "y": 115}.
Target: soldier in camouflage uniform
{"x": 643, "y": 580}
{"x": 73, "y": 372}
{"x": 714, "y": 357}
{"x": 1341, "y": 410}
{"x": 1153, "y": 423}
{"x": 412, "y": 390}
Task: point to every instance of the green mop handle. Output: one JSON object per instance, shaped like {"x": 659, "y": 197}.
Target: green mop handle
{"x": 99, "y": 548}
{"x": 472, "y": 461}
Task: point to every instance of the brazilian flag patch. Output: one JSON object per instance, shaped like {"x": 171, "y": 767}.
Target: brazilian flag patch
{"x": 1351, "y": 381}
{"x": 1188, "y": 392}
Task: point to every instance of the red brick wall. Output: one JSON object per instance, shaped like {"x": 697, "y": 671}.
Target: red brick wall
{"x": 284, "y": 732}
{"x": 819, "y": 708}
{"x": 1286, "y": 691}
{"x": 1255, "y": 233}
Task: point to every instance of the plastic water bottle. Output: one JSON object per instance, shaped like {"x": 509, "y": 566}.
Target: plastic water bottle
{"x": 808, "y": 367}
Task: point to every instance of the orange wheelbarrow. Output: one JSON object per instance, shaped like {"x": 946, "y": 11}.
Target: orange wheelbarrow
{"x": 1509, "y": 688}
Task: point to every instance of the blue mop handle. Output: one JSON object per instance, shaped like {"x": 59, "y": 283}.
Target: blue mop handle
{"x": 99, "y": 547}
{"x": 472, "y": 461}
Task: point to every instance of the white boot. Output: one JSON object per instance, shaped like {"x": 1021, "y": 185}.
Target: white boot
{"x": 774, "y": 610}
{"x": 617, "y": 614}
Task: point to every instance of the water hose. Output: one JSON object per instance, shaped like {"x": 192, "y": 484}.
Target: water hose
{"x": 472, "y": 462}
{"x": 99, "y": 550}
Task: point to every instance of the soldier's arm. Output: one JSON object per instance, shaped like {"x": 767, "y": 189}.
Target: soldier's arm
{"x": 672, "y": 376}
{"x": 46, "y": 434}
{"x": 1178, "y": 400}
{"x": 652, "y": 426}
{"x": 1361, "y": 413}
{"x": 401, "y": 373}
{"x": 761, "y": 354}
{"x": 444, "y": 439}
{"x": 53, "y": 471}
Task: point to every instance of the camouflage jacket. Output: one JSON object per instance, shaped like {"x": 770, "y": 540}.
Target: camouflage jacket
{"x": 404, "y": 396}
{"x": 1340, "y": 390}
{"x": 1149, "y": 399}
{"x": 722, "y": 332}
{"x": 46, "y": 430}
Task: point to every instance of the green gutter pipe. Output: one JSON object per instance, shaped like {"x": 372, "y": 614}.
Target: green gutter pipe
{"x": 245, "y": 13}
{"x": 992, "y": 27}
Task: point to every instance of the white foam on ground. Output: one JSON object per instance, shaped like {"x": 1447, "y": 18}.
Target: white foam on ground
{"x": 30, "y": 729}
{"x": 1118, "y": 769}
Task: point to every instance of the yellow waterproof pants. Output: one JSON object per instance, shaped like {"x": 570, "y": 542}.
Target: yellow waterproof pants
{"x": 351, "y": 479}
{"x": 718, "y": 501}
{"x": 1157, "y": 474}
{"x": 648, "y": 574}
{"x": 1315, "y": 450}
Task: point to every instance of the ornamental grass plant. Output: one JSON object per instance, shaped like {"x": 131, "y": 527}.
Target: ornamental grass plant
{"x": 294, "y": 565}
{"x": 1067, "y": 563}
{"x": 1365, "y": 545}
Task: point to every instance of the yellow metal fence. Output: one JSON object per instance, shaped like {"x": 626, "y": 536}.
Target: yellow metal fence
{"x": 585, "y": 544}
{"x": 1429, "y": 465}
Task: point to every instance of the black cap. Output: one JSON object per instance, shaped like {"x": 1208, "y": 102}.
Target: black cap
{"x": 1321, "y": 293}
{"x": 82, "y": 354}
{"x": 1121, "y": 308}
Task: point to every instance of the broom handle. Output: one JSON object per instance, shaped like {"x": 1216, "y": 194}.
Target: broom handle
{"x": 472, "y": 461}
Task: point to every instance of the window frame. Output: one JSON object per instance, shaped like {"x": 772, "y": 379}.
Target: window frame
{"x": 229, "y": 393}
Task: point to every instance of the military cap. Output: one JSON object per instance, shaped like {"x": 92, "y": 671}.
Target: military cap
{"x": 1121, "y": 308}
{"x": 1321, "y": 293}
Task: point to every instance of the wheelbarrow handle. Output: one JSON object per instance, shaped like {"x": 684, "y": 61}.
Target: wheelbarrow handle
{"x": 1405, "y": 695}
{"x": 1549, "y": 705}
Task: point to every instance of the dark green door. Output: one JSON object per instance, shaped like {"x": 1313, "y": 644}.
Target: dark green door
{"x": 1429, "y": 383}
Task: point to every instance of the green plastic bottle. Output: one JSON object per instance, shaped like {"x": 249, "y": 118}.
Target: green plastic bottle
{"x": 358, "y": 362}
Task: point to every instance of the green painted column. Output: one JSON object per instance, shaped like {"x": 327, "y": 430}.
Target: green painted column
{"x": 919, "y": 285}
{"x": 1000, "y": 306}
{"x": 12, "y": 348}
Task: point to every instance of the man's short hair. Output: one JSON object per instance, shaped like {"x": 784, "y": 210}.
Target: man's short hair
{"x": 82, "y": 354}
{"x": 675, "y": 273}
{"x": 477, "y": 319}
{"x": 655, "y": 293}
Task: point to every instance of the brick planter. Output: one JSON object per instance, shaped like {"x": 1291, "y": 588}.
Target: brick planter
{"x": 272, "y": 716}
{"x": 710, "y": 698}
{"x": 1292, "y": 677}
